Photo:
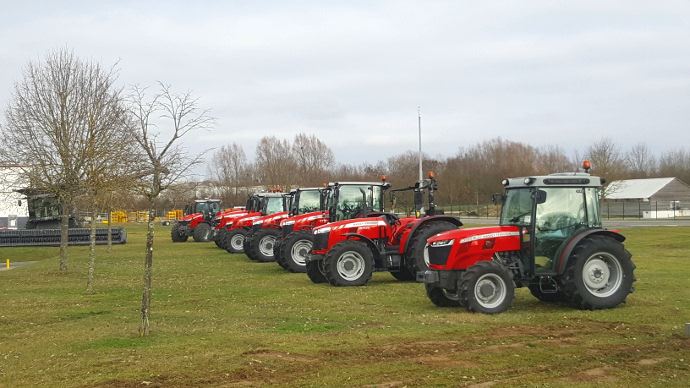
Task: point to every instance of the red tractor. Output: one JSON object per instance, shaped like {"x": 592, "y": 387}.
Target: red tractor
{"x": 225, "y": 220}
{"x": 269, "y": 203}
{"x": 549, "y": 239}
{"x": 197, "y": 222}
{"x": 347, "y": 251}
{"x": 260, "y": 242}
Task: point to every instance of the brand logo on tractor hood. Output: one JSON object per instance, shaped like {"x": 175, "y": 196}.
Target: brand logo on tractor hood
{"x": 361, "y": 224}
{"x": 488, "y": 236}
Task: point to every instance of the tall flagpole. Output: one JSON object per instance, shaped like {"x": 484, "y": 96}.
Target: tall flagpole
{"x": 419, "y": 127}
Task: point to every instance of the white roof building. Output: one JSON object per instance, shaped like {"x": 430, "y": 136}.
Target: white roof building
{"x": 652, "y": 189}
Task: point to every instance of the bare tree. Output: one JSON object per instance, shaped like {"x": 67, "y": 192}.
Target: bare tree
{"x": 227, "y": 169}
{"x": 166, "y": 161}
{"x": 275, "y": 162}
{"x": 607, "y": 159}
{"x": 51, "y": 125}
{"x": 640, "y": 161}
{"x": 314, "y": 159}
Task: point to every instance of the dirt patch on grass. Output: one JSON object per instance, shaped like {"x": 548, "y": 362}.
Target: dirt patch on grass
{"x": 263, "y": 354}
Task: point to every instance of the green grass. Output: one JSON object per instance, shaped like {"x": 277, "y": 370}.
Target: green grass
{"x": 221, "y": 320}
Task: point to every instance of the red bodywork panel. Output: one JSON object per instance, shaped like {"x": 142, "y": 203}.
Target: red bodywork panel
{"x": 471, "y": 245}
{"x": 225, "y": 217}
{"x": 271, "y": 220}
{"x": 194, "y": 219}
{"x": 306, "y": 221}
{"x": 373, "y": 228}
{"x": 244, "y": 221}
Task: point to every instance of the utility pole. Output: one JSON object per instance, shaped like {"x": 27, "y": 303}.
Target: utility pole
{"x": 419, "y": 127}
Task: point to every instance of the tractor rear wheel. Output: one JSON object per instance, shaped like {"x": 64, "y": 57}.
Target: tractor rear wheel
{"x": 487, "y": 287}
{"x": 234, "y": 240}
{"x": 314, "y": 272}
{"x": 549, "y": 297}
{"x": 295, "y": 250}
{"x": 349, "y": 263}
{"x": 599, "y": 274}
{"x": 404, "y": 275}
{"x": 441, "y": 297}
{"x": 261, "y": 245}
{"x": 177, "y": 235}
{"x": 202, "y": 232}
{"x": 415, "y": 252}
{"x": 219, "y": 238}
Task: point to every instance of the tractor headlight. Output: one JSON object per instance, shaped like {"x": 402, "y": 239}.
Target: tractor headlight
{"x": 441, "y": 243}
{"x": 286, "y": 223}
{"x": 322, "y": 230}
{"x": 426, "y": 256}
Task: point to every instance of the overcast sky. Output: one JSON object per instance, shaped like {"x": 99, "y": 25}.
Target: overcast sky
{"x": 353, "y": 72}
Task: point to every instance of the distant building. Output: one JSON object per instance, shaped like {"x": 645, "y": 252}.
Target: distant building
{"x": 14, "y": 210}
{"x": 648, "y": 198}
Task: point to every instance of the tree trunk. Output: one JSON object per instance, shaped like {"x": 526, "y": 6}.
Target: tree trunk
{"x": 92, "y": 254}
{"x": 148, "y": 274}
{"x": 110, "y": 227}
{"x": 64, "y": 237}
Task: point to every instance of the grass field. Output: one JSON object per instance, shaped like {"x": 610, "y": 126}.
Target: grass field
{"x": 221, "y": 320}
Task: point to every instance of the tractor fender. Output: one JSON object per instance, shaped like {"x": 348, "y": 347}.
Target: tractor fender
{"x": 567, "y": 247}
{"x": 370, "y": 243}
{"x": 452, "y": 220}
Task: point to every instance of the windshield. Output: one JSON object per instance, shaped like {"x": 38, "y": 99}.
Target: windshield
{"x": 352, "y": 199}
{"x": 274, "y": 205}
{"x": 517, "y": 207}
{"x": 207, "y": 207}
{"x": 309, "y": 201}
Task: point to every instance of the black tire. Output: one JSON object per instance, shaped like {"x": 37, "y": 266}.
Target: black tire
{"x": 202, "y": 232}
{"x": 261, "y": 245}
{"x": 548, "y": 297}
{"x": 605, "y": 259}
{"x": 295, "y": 250}
{"x": 404, "y": 275}
{"x": 315, "y": 273}
{"x": 246, "y": 245}
{"x": 441, "y": 297}
{"x": 276, "y": 252}
{"x": 219, "y": 238}
{"x": 177, "y": 235}
{"x": 234, "y": 240}
{"x": 414, "y": 259}
{"x": 349, "y": 263}
{"x": 490, "y": 280}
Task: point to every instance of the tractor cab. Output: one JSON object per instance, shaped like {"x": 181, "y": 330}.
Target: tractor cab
{"x": 307, "y": 200}
{"x": 207, "y": 207}
{"x": 549, "y": 210}
{"x": 349, "y": 200}
{"x": 274, "y": 203}
{"x": 549, "y": 239}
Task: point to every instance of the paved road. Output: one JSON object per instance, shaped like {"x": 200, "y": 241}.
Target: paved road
{"x": 607, "y": 223}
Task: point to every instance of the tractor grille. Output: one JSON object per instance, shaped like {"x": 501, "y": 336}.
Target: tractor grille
{"x": 287, "y": 229}
{"x": 439, "y": 255}
{"x": 320, "y": 241}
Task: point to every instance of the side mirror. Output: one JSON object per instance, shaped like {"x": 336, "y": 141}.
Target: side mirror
{"x": 540, "y": 196}
{"x": 497, "y": 199}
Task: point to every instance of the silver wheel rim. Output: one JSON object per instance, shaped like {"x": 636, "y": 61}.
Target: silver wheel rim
{"x": 237, "y": 242}
{"x": 266, "y": 245}
{"x": 300, "y": 251}
{"x": 602, "y": 274}
{"x": 490, "y": 290}
{"x": 450, "y": 295}
{"x": 350, "y": 265}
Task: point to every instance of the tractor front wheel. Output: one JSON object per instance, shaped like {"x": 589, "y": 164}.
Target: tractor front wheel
{"x": 440, "y": 297}
{"x": 314, "y": 272}
{"x": 487, "y": 287}
{"x": 261, "y": 245}
{"x": 219, "y": 238}
{"x": 234, "y": 241}
{"x": 415, "y": 253}
{"x": 599, "y": 274}
{"x": 177, "y": 235}
{"x": 295, "y": 250}
{"x": 202, "y": 232}
{"x": 349, "y": 263}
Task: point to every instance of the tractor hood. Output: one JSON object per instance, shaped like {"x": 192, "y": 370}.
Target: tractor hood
{"x": 303, "y": 218}
{"x": 270, "y": 219}
{"x": 247, "y": 220}
{"x": 190, "y": 217}
{"x": 469, "y": 235}
{"x": 351, "y": 224}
